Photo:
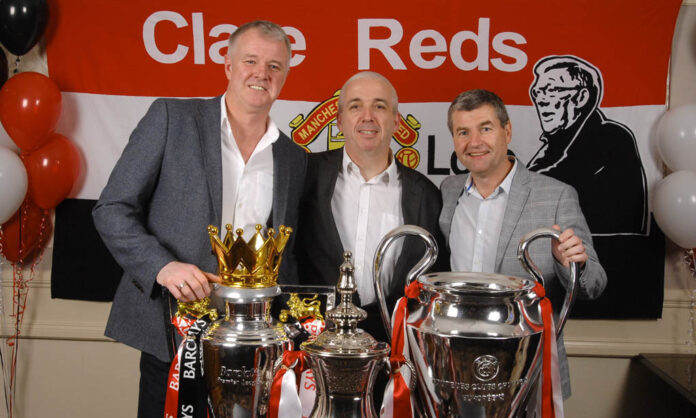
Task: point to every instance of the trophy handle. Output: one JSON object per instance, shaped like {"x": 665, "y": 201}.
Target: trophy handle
{"x": 412, "y": 381}
{"x": 533, "y": 270}
{"x": 424, "y": 264}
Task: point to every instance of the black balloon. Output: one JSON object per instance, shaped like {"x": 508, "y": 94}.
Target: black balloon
{"x": 22, "y": 23}
{"x": 4, "y": 70}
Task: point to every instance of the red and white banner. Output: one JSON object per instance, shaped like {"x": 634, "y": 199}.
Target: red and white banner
{"x": 111, "y": 59}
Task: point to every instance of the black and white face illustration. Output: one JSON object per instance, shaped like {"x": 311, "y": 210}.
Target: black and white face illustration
{"x": 559, "y": 98}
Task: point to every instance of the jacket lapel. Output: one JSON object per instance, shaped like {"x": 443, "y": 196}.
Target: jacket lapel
{"x": 325, "y": 189}
{"x": 281, "y": 180}
{"x": 208, "y": 125}
{"x": 411, "y": 194}
{"x": 519, "y": 193}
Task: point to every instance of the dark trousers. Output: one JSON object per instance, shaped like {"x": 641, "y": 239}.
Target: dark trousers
{"x": 153, "y": 386}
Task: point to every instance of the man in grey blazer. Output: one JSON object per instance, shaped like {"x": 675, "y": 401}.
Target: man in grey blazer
{"x": 354, "y": 195}
{"x": 487, "y": 211}
{"x": 173, "y": 180}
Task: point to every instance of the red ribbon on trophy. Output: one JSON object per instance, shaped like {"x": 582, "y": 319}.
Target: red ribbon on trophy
{"x": 284, "y": 395}
{"x": 551, "y": 397}
{"x": 397, "y": 396}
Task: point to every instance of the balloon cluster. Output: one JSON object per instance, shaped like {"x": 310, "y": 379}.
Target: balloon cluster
{"x": 674, "y": 197}
{"x": 34, "y": 182}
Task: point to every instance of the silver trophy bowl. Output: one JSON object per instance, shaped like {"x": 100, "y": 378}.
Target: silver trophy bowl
{"x": 240, "y": 350}
{"x": 474, "y": 338}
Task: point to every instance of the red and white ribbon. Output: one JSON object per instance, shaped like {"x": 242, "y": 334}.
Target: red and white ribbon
{"x": 397, "y": 396}
{"x": 551, "y": 395}
{"x": 284, "y": 394}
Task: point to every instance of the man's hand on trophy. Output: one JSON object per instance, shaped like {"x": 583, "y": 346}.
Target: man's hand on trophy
{"x": 568, "y": 248}
{"x": 186, "y": 282}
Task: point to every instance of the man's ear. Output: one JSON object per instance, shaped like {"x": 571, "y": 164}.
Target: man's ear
{"x": 582, "y": 98}
{"x": 228, "y": 66}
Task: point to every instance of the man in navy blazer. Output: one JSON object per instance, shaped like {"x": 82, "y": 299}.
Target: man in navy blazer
{"x": 356, "y": 194}
{"x": 487, "y": 211}
{"x": 167, "y": 187}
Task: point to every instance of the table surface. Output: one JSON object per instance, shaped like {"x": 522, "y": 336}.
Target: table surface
{"x": 677, "y": 370}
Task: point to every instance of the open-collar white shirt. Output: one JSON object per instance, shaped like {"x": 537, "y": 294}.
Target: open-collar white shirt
{"x": 476, "y": 226}
{"x": 364, "y": 211}
{"x": 247, "y": 189}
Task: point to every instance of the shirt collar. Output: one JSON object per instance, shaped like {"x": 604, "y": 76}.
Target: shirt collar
{"x": 269, "y": 137}
{"x": 389, "y": 176}
{"x": 504, "y": 186}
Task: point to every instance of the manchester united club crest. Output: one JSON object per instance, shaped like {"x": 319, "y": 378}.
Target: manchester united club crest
{"x": 322, "y": 118}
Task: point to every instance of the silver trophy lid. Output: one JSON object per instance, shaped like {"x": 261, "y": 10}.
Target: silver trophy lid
{"x": 344, "y": 338}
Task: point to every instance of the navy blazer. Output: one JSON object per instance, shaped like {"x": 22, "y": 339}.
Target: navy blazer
{"x": 318, "y": 247}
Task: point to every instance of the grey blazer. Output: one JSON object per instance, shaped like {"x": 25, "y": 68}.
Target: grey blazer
{"x": 164, "y": 191}
{"x": 536, "y": 201}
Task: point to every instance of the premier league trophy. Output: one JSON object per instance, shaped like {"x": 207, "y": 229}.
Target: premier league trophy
{"x": 240, "y": 348}
{"x": 474, "y": 338}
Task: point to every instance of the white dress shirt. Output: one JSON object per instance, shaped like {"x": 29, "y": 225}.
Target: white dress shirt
{"x": 247, "y": 189}
{"x": 476, "y": 226}
{"x": 364, "y": 211}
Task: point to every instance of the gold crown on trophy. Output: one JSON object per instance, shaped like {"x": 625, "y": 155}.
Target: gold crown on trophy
{"x": 249, "y": 264}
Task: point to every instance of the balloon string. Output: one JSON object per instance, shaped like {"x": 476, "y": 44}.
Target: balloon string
{"x": 20, "y": 287}
{"x": 16, "y": 70}
{"x": 3, "y": 364}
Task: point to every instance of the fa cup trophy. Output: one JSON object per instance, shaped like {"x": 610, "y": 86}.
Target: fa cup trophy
{"x": 344, "y": 358}
{"x": 241, "y": 347}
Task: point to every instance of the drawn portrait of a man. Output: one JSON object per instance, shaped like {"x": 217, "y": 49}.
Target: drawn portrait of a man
{"x": 583, "y": 148}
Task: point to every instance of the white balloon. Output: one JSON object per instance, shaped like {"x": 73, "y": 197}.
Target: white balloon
{"x": 13, "y": 183}
{"x": 676, "y": 138}
{"x": 674, "y": 207}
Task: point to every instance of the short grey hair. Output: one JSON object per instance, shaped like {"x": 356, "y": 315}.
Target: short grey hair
{"x": 369, "y": 74}
{"x": 473, "y": 99}
{"x": 267, "y": 29}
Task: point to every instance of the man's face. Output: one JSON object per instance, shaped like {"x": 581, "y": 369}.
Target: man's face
{"x": 256, "y": 68}
{"x": 368, "y": 118}
{"x": 555, "y": 96}
{"x": 480, "y": 141}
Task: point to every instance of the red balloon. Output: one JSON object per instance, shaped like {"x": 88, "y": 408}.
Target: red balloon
{"x": 23, "y": 234}
{"x": 29, "y": 109}
{"x": 52, "y": 170}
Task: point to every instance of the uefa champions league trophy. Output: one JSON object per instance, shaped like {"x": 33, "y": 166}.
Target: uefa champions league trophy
{"x": 475, "y": 338}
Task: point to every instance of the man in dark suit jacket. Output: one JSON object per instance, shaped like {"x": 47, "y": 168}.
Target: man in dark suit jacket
{"x": 167, "y": 187}
{"x": 337, "y": 215}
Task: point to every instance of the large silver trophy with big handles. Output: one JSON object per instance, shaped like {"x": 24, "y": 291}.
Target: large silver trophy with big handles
{"x": 475, "y": 338}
